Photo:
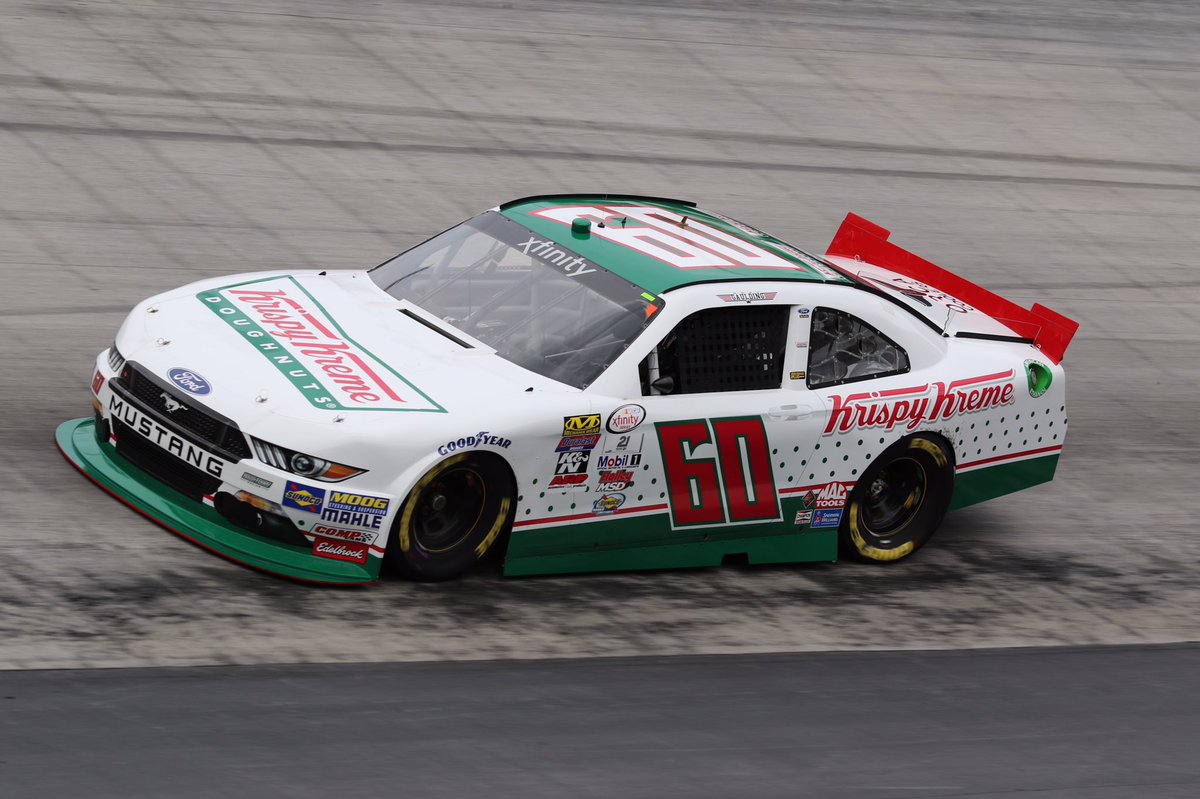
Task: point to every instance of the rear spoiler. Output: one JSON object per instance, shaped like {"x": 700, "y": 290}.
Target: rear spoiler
{"x": 860, "y": 239}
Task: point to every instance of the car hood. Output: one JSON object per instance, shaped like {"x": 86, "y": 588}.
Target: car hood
{"x": 317, "y": 349}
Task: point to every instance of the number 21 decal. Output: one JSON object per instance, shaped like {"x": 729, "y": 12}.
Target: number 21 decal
{"x": 733, "y": 484}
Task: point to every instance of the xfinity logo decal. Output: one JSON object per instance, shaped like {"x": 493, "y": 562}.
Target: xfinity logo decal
{"x": 549, "y": 252}
{"x": 189, "y": 381}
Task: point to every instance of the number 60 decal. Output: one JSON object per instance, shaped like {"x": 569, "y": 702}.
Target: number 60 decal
{"x": 734, "y": 486}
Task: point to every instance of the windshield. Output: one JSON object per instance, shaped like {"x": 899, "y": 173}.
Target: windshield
{"x": 534, "y": 301}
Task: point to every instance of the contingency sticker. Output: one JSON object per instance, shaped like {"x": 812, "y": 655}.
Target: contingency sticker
{"x": 297, "y": 335}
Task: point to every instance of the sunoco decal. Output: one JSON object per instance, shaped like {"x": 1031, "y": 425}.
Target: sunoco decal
{"x": 302, "y": 497}
{"x": 281, "y": 320}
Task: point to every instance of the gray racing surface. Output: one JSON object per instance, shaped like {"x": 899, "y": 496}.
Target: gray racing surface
{"x": 1049, "y": 151}
{"x": 1055, "y": 724}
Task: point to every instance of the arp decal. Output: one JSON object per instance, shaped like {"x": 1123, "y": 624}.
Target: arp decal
{"x": 585, "y": 425}
{"x": 569, "y": 481}
{"x": 281, "y": 320}
{"x": 625, "y": 418}
{"x": 301, "y": 497}
{"x": 669, "y": 237}
{"x": 340, "y": 550}
{"x": 718, "y": 471}
{"x": 189, "y": 381}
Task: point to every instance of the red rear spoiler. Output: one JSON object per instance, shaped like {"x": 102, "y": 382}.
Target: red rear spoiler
{"x": 858, "y": 238}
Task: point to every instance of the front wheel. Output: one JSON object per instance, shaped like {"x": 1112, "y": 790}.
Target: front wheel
{"x": 451, "y": 518}
{"x": 899, "y": 502}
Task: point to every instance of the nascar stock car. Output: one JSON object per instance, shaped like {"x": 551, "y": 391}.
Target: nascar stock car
{"x": 587, "y": 382}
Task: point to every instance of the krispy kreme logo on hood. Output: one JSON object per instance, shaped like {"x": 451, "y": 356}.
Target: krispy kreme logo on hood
{"x": 289, "y": 328}
{"x": 907, "y": 408}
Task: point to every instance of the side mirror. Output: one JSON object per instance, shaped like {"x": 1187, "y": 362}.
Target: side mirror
{"x": 663, "y": 385}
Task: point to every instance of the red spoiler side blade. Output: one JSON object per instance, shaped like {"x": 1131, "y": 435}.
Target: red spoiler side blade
{"x": 858, "y": 238}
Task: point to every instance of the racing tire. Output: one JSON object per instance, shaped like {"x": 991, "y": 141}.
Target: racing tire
{"x": 899, "y": 502}
{"x": 452, "y": 517}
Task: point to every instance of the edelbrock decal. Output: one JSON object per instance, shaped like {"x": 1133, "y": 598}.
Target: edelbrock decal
{"x": 281, "y": 320}
{"x": 189, "y": 381}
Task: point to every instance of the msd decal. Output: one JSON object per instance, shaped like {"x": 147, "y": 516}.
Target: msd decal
{"x": 614, "y": 480}
{"x": 307, "y": 346}
{"x": 340, "y": 550}
{"x": 301, "y": 497}
{"x": 669, "y": 237}
{"x": 909, "y": 407}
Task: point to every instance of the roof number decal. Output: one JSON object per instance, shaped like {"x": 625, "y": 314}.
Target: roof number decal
{"x": 664, "y": 235}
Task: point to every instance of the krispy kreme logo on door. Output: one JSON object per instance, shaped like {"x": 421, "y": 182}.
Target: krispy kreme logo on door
{"x": 298, "y": 337}
{"x": 684, "y": 243}
{"x": 907, "y": 408}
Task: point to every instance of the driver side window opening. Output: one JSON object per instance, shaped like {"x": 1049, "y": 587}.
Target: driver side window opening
{"x": 843, "y": 349}
{"x": 739, "y": 348}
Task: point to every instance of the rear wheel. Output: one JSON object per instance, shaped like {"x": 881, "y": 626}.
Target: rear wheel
{"x": 899, "y": 502}
{"x": 452, "y": 517}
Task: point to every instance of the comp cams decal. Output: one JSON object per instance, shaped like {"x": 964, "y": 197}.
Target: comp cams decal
{"x": 294, "y": 332}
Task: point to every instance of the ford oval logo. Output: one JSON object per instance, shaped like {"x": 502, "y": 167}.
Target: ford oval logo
{"x": 189, "y": 381}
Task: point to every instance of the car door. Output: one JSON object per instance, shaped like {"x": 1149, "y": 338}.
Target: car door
{"x": 733, "y": 422}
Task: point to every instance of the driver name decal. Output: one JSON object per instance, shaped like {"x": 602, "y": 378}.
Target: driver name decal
{"x": 295, "y": 333}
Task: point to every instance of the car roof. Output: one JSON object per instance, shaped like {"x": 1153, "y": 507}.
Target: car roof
{"x": 702, "y": 239}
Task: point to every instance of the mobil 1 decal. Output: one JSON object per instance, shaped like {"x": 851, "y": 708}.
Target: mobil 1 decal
{"x": 718, "y": 471}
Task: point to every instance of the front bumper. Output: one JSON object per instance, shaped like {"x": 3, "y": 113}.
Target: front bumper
{"x": 194, "y": 521}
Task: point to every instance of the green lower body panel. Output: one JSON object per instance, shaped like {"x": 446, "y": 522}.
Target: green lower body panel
{"x": 648, "y": 542}
{"x": 194, "y": 521}
{"x": 996, "y": 481}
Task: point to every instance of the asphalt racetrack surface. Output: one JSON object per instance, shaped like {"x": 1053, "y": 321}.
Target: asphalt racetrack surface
{"x": 1056, "y": 724}
{"x": 1049, "y": 151}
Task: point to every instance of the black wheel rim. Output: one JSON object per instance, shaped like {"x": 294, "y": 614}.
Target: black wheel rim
{"x": 894, "y": 497}
{"x": 449, "y": 509}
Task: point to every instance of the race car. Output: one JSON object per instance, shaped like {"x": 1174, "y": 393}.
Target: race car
{"x": 578, "y": 383}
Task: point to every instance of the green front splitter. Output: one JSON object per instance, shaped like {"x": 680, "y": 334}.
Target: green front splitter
{"x": 198, "y": 523}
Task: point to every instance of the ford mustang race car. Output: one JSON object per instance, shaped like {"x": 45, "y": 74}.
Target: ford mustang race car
{"x": 581, "y": 383}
